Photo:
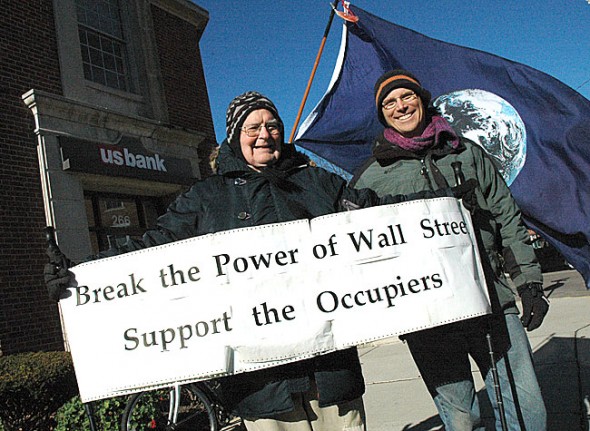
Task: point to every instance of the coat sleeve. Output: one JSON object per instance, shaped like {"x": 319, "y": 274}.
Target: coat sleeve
{"x": 513, "y": 239}
{"x": 179, "y": 222}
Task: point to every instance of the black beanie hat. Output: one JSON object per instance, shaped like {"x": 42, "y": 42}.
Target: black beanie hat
{"x": 240, "y": 107}
{"x": 397, "y": 78}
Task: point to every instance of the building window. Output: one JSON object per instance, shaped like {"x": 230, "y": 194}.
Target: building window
{"x": 112, "y": 219}
{"x": 102, "y": 43}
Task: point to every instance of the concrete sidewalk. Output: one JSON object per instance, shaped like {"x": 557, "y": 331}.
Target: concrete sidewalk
{"x": 397, "y": 399}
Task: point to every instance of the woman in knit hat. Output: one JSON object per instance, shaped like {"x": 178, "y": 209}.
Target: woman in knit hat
{"x": 262, "y": 180}
{"x": 418, "y": 150}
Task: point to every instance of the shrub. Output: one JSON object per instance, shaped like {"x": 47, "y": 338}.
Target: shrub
{"x": 32, "y": 387}
{"x": 107, "y": 415}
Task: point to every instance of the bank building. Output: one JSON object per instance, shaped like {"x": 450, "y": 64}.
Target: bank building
{"x": 105, "y": 118}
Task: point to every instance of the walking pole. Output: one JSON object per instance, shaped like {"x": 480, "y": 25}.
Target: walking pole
{"x": 90, "y": 413}
{"x": 496, "y": 378}
{"x": 52, "y": 245}
{"x": 315, "y": 66}
{"x": 459, "y": 179}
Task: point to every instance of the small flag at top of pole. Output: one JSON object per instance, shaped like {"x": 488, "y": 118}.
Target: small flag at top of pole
{"x": 346, "y": 13}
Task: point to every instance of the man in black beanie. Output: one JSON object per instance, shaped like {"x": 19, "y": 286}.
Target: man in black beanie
{"x": 418, "y": 150}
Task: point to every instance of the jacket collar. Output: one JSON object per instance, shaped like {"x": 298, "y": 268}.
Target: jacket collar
{"x": 387, "y": 153}
{"x": 229, "y": 164}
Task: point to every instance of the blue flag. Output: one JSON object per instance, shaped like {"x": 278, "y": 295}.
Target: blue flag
{"x": 536, "y": 128}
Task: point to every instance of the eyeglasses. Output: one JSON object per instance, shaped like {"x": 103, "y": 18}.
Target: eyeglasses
{"x": 254, "y": 130}
{"x": 392, "y": 103}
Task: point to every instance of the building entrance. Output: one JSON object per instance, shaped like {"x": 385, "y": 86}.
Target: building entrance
{"x": 113, "y": 218}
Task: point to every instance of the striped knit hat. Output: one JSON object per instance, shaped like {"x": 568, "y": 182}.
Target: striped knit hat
{"x": 397, "y": 78}
{"x": 240, "y": 107}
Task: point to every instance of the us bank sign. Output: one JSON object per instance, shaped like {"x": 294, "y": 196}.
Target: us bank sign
{"x": 128, "y": 158}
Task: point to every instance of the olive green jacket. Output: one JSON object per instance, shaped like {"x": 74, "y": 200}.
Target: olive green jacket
{"x": 502, "y": 237}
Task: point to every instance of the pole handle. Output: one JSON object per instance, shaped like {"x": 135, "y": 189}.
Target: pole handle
{"x": 53, "y": 248}
{"x": 459, "y": 176}
{"x": 49, "y": 232}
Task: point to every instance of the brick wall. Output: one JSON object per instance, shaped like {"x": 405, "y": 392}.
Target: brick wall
{"x": 184, "y": 80}
{"x": 28, "y": 59}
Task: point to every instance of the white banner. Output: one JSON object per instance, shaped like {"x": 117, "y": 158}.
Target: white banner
{"x": 246, "y": 299}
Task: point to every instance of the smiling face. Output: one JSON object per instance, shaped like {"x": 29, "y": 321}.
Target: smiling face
{"x": 264, "y": 149}
{"x": 407, "y": 117}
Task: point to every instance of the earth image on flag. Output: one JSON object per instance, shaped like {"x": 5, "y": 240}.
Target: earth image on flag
{"x": 491, "y": 122}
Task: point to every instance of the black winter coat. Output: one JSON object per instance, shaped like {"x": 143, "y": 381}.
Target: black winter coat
{"x": 240, "y": 197}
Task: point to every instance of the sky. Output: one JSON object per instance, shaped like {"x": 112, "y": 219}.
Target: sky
{"x": 270, "y": 46}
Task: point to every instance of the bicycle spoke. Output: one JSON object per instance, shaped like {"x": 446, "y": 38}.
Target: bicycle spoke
{"x": 157, "y": 410}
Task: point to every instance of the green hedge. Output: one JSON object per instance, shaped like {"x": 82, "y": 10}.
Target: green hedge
{"x": 107, "y": 415}
{"x": 32, "y": 388}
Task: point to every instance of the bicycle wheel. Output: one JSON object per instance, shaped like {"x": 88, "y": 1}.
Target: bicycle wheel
{"x": 186, "y": 408}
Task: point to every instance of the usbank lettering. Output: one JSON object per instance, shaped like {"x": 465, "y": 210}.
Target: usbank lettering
{"x": 127, "y": 158}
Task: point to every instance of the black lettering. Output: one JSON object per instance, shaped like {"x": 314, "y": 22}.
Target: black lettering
{"x": 128, "y": 337}
{"x": 214, "y": 324}
{"x": 334, "y": 301}
{"x": 377, "y": 294}
{"x": 279, "y": 257}
{"x": 271, "y": 315}
{"x": 192, "y": 273}
{"x": 292, "y": 253}
{"x": 356, "y": 298}
{"x": 287, "y": 310}
{"x": 362, "y": 239}
{"x": 439, "y": 227}
{"x": 96, "y": 292}
{"x": 344, "y": 304}
{"x": 82, "y": 295}
{"x": 463, "y": 227}
{"x": 122, "y": 292}
{"x": 221, "y": 260}
{"x": 183, "y": 336}
{"x": 205, "y": 329}
{"x": 411, "y": 284}
{"x": 226, "y": 321}
{"x": 167, "y": 340}
{"x": 425, "y": 282}
{"x": 323, "y": 251}
{"x": 163, "y": 278}
{"x": 107, "y": 291}
{"x": 256, "y": 314}
{"x": 136, "y": 286}
{"x": 424, "y": 224}
{"x": 176, "y": 273}
{"x": 388, "y": 295}
{"x": 243, "y": 267}
{"x": 261, "y": 260}
{"x": 401, "y": 286}
{"x": 145, "y": 339}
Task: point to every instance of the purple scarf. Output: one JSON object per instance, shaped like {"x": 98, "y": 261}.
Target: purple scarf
{"x": 430, "y": 137}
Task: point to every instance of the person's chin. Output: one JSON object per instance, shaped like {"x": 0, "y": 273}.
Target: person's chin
{"x": 266, "y": 162}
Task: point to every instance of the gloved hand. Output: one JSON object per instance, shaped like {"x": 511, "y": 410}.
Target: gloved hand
{"x": 466, "y": 192}
{"x": 55, "y": 273}
{"x": 534, "y": 305}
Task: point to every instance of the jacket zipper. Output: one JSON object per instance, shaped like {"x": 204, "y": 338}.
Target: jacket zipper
{"x": 424, "y": 172}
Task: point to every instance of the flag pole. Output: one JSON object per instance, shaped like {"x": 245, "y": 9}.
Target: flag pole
{"x": 315, "y": 66}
